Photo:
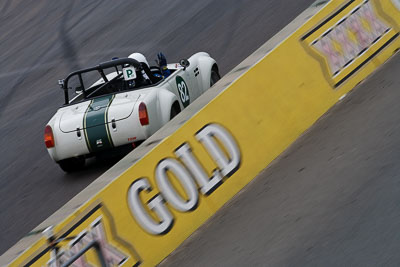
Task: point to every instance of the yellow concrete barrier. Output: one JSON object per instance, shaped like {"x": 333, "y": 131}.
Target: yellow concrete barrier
{"x": 149, "y": 210}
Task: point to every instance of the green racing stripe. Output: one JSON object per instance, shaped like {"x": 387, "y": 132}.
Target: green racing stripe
{"x": 95, "y": 124}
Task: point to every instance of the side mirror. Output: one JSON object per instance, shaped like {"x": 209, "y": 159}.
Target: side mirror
{"x": 61, "y": 83}
{"x": 184, "y": 63}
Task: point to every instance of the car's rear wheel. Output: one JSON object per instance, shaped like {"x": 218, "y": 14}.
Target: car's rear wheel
{"x": 175, "y": 109}
{"x": 214, "y": 77}
{"x": 72, "y": 164}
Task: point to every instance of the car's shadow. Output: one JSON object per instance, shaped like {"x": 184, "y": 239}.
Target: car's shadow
{"x": 94, "y": 168}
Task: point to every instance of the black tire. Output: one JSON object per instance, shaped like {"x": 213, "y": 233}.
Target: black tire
{"x": 72, "y": 164}
{"x": 175, "y": 109}
{"x": 214, "y": 77}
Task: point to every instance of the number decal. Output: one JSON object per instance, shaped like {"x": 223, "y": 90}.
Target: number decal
{"x": 183, "y": 91}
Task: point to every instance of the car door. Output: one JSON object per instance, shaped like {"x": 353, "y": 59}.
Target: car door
{"x": 185, "y": 85}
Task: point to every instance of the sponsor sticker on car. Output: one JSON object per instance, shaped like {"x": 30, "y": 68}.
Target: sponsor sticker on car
{"x": 129, "y": 73}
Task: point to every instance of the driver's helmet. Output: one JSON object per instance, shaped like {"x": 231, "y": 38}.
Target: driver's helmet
{"x": 139, "y": 57}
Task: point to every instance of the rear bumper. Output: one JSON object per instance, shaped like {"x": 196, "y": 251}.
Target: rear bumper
{"x": 104, "y": 154}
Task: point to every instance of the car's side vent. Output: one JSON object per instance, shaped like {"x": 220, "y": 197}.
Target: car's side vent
{"x": 78, "y": 133}
{"x": 113, "y": 125}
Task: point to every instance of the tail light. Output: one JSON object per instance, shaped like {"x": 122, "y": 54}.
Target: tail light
{"x": 143, "y": 116}
{"x": 48, "y": 137}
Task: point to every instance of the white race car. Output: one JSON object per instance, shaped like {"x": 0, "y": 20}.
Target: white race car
{"x": 126, "y": 104}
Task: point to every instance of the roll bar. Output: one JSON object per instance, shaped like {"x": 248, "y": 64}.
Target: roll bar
{"x": 123, "y": 62}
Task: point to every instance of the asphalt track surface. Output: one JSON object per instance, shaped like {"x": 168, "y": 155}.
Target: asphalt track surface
{"x": 332, "y": 199}
{"x": 42, "y": 41}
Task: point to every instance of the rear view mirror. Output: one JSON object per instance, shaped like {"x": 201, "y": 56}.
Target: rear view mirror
{"x": 184, "y": 63}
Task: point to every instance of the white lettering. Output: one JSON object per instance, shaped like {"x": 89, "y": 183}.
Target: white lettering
{"x": 157, "y": 204}
{"x": 183, "y": 176}
{"x": 207, "y": 185}
{"x": 221, "y": 146}
{"x": 111, "y": 255}
{"x": 208, "y": 135}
